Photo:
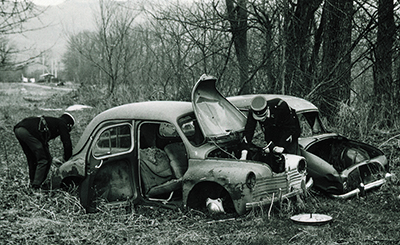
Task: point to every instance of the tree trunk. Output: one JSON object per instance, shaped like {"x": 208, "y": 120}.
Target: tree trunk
{"x": 237, "y": 16}
{"x": 336, "y": 60}
{"x": 298, "y": 46}
{"x": 383, "y": 81}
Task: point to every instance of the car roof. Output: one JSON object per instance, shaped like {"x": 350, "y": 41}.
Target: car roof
{"x": 150, "y": 110}
{"x": 298, "y": 104}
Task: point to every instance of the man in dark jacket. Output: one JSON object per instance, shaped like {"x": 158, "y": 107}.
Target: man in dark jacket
{"x": 34, "y": 133}
{"x": 279, "y": 123}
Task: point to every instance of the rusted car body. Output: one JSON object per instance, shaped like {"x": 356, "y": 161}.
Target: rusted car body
{"x": 176, "y": 154}
{"x": 339, "y": 166}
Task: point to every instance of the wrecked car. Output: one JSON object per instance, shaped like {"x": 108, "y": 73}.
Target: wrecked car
{"x": 176, "y": 154}
{"x": 339, "y": 166}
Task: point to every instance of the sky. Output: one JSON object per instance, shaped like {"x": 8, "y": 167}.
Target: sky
{"x": 51, "y": 2}
{"x": 60, "y": 19}
{"x": 47, "y": 2}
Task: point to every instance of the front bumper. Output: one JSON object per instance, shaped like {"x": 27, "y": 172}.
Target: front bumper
{"x": 273, "y": 199}
{"x": 363, "y": 188}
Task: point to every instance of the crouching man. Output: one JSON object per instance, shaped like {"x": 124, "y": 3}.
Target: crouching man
{"x": 34, "y": 134}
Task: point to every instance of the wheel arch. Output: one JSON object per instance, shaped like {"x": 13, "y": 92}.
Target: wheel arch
{"x": 70, "y": 182}
{"x": 198, "y": 194}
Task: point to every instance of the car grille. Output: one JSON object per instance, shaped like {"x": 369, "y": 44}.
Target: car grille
{"x": 285, "y": 182}
{"x": 365, "y": 174}
{"x": 295, "y": 179}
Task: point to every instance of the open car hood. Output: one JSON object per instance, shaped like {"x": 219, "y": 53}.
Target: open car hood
{"x": 219, "y": 120}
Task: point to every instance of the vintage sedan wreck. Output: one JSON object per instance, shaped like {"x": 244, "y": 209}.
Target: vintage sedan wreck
{"x": 339, "y": 166}
{"x": 177, "y": 154}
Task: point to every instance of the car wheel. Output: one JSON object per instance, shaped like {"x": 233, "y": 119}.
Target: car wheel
{"x": 209, "y": 197}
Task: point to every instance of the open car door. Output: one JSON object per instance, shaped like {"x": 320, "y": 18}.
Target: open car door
{"x": 109, "y": 167}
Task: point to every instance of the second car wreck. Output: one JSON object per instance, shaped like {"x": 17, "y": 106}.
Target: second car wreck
{"x": 177, "y": 154}
{"x": 339, "y": 166}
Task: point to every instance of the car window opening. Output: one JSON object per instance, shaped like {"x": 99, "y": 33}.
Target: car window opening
{"x": 191, "y": 128}
{"x": 340, "y": 154}
{"x": 113, "y": 140}
{"x": 163, "y": 160}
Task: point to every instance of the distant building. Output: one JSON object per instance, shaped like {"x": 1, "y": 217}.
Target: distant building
{"x": 47, "y": 77}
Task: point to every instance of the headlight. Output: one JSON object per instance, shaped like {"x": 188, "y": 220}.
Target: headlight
{"x": 302, "y": 166}
{"x": 251, "y": 180}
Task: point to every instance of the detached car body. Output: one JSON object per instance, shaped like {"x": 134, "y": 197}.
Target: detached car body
{"x": 339, "y": 166}
{"x": 176, "y": 154}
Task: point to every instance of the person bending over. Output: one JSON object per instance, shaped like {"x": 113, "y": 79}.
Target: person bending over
{"x": 34, "y": 133}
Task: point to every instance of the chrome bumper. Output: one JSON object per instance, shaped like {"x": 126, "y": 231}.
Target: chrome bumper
{"x": 280, "y": 197}
{"x": 360, "y": 190}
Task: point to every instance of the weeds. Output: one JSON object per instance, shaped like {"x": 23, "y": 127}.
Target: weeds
{"x": 56, "y": 217}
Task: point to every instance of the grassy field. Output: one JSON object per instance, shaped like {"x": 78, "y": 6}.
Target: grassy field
{"x": 56, "y": 217}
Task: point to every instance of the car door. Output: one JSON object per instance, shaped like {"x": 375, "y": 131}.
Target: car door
{"x": 109, "y": 166}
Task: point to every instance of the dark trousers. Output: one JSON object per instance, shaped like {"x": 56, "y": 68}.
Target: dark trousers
{"x": 37, "y": 154}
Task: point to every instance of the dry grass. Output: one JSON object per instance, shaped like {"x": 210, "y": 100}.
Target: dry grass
{"x": 56, "y": 217}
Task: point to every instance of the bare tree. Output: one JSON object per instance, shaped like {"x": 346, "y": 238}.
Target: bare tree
{"x": 237, "y": 16}
{"x": 335, "y": 73}
{"x": 319, "y": 50}
{"x": 13, "y": 16}
{"x": 301, "y": 20}
{"x": 111, "y": 47}
{"x": 76, "y": 67}
{"x": 195, "y": 40}
{"x": 383, "y": 82}
{"x": 7, "y": 54}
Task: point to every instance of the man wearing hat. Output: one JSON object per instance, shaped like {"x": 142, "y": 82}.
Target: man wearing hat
{"x": 279, "y": 123}
{"x": 34, "y": 133}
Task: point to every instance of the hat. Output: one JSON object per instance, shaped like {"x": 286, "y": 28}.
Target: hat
{"x": 68, "y": 118}
{"x": 259, "y": 107}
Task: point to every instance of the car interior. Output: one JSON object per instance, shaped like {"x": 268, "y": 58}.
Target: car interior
{"x": 163, "y": 159}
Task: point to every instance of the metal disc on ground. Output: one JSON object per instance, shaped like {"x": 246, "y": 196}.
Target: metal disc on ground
{"x": 311, "y": 219}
